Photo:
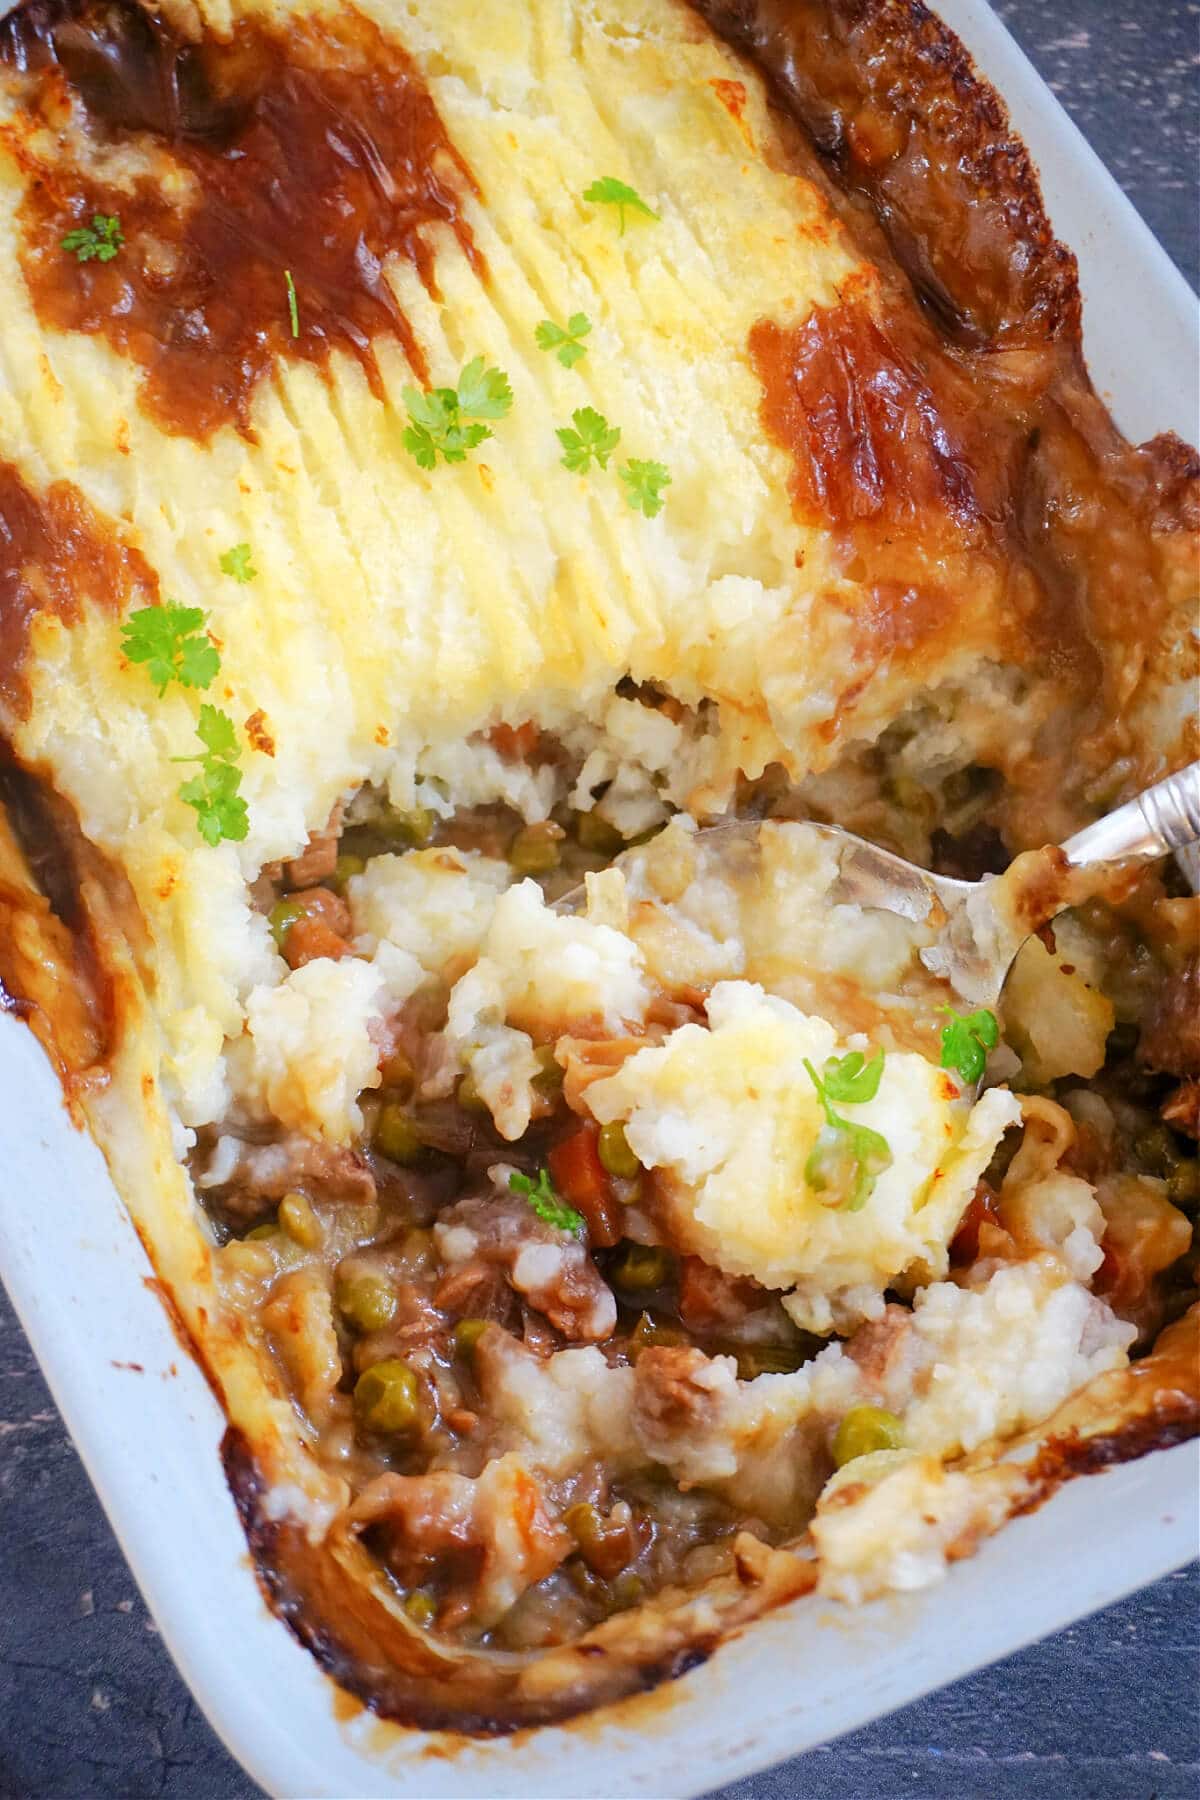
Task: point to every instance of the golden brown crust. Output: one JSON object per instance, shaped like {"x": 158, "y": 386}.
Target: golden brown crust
{"x": 331, "y": 1599}
{"x": 956, "y": 446}
{"x": 318, "y": 155}
{"x": 56, "y": 552}
{"x": 895, "y": 107}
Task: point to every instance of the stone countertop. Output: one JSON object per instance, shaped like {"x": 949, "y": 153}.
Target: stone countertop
{"x": 90, "y": 1704}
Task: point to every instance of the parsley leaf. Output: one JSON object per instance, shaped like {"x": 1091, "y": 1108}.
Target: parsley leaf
{"x": 851, "y": 1079}
{"x": 172, "y": 642}
{"x": 213, "y": 793}
{"x": 293, "y": 306}
{"x": 847, "y": 1157}
{"x": 564, "y": 342}
{"x": 99, "y": 241}
{"x": 967, "y": 1039}
{"x": 236, "y": 562}
{"x": 438, "y": 414}
{"x": 644, "y": 482}
{"x": 593, "y": 440}
{"x": 545, "y": 1202}
{"x": 608, "y": 191}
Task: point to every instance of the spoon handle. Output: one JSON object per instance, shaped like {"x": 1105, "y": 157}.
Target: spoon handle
{"x": 1166, "y": 817}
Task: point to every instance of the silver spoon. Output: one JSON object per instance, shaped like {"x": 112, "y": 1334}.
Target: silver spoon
{"x": 981, "y": 925}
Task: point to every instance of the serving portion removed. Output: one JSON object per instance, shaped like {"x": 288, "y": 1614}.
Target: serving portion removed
{"x": 448, "y": 454}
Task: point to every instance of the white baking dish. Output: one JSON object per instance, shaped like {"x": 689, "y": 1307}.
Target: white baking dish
{"x": 148, "y": 1428}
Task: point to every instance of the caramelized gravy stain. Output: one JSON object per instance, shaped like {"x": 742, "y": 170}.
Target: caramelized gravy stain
{"x": 315, "y": 150}
{"x": 945, "y": 423}
{"x": 892, "y": 105}
{"x": 56, "y": 552}
{"x": 870, "y": 440}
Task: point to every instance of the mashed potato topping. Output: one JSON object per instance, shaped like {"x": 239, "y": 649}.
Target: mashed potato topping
{"x": 730, "y": 1115}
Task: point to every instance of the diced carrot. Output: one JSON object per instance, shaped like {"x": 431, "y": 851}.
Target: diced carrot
{"x": 310, "y": 938}
{"x": 580, "y": 1177}
{"x": 515, "y": 740}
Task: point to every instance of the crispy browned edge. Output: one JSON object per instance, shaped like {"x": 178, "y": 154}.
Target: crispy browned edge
{"x": 936, "y": 68}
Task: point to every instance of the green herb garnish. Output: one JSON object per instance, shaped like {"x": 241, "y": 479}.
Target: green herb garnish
{"x": 545, "y": 1202}
{"x": 608, "y": 191}
{"x": 847, "y": 1157}
{"x": 293, "y": 304}
{"x": 593, "y": 440}
{"x": 644, "y": 482}
{"x": 967, "y": 1039}
{"x": 564, "y": 341}
{"x": 213, "y": 793}
{"x": 173, "y": 644}
{"x": 236, "y": 562}
{"x": 439, "y": 415}
{"x": 98, "y": 241}
{"x": 851, "y": 1078}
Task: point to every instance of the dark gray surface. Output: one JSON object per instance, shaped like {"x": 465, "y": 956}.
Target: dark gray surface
{"x": 90, "y": 1705}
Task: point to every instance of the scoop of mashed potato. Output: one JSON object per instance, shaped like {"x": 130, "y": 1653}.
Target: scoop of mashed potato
{"x": 729, "y": 1116}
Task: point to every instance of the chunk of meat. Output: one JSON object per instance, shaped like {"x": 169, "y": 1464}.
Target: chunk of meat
{"x": 1181, "y": 1110}
{"x": 551, "y": 1268}
{"x": 416, "y": 1328}
{"x": 476, "y": 1290}
{"x": 322, "y": 928}
{"x": 317, "y": 861}
{"x": 248, "y": 1179}
{"x": 299, "y": 1319}
{"x": 1170, "y": 1040}
{"x": 882, "y": 1346}
{"x": 711, "y": 1301}
{"x": 494, "y": 1534}
{"x": 679, "y": 1396}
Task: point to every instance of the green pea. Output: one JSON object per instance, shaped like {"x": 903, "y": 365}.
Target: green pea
{"x": 864, "y": 1430}
{"x": 615, "y": 1153}
{"x": 282, "y": 917}
{"x": 467, "y": 1334}
{"x": 626, "y": 1590}
{"x": 596, "y": 834}
{"x": 641, "y": 1267}
{"x": 395, "y": 1135}
{"x": 301, "y": 1223}
{"x": 367, "y": 1302}
{"x": 549, "y": 1078}
{"x": 420, "y": 1607}
{"x": 1183, "y": 1183}
{"x": 409, "y": 825}
{"x": 585, "y": 1523}
{"x": 1155, "y": 1149}
{"x": 345, "y": 866}
{"x": 262, "y": 1233}
{"x": 651, "y": 1334}
{"x": 387, "y": 1398}
{"x": 766, "y": 1359}
{"x": 534, "y": 850}
{"x": 468, "y": 1095}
